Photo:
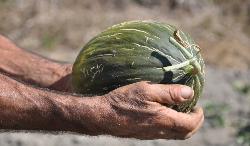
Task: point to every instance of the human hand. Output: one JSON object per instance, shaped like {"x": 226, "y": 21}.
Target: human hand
{"x": 137, "y": 111}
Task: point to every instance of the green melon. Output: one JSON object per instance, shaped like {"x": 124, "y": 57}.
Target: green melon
{"x": 136, "y": 51}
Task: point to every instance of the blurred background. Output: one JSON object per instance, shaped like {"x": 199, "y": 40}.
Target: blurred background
{"x": 58, "y": 29}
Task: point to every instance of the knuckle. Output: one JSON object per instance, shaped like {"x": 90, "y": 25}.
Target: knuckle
{"x": 174, "y": 93}
{"x": 165, "y": 123}
{"x": 141, "y": 88}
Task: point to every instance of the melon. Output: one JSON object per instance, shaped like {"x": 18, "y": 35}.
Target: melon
{"x": 139, "y": 51}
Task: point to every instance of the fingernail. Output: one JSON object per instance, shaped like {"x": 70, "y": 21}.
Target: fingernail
{"x": 186, "y": 92}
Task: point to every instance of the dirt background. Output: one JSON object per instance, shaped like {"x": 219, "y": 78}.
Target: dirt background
{"x": 58, "y": 29}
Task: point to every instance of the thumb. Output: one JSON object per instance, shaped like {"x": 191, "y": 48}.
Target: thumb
{"x": 169, "y": 94}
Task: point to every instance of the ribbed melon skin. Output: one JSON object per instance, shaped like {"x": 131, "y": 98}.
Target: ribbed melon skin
{"x": 136, "y": 51}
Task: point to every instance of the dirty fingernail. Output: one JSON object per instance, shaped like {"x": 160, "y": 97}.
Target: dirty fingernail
{"x": 186, "y": 92}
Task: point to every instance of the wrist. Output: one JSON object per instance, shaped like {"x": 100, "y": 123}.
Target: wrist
{"x": 90, "y": 115}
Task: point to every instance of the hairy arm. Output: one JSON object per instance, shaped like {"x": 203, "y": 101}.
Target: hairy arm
{"x": 23, "y": 107}
{"x": 131, "y": 111}
{"x": 32, "y": 68}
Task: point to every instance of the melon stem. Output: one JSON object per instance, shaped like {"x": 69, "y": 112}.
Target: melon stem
{"x": 180, "y": 65}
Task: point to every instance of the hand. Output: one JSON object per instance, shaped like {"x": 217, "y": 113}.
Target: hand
{"x": 137, "y": 111}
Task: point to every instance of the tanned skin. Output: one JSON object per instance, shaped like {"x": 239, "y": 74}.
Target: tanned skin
{"x": 133, "y": 111}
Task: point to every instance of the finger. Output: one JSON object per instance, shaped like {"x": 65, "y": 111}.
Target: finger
{"x": 169, "y": 94}
{"x": 199, "y": 116}
{"x": 186, "y": 122}
{"x": 190, "y": 123}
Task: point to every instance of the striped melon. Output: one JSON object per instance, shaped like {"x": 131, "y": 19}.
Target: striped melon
{"x": 135, "y": 51}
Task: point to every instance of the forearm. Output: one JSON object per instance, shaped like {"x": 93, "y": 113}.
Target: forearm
{"x": 124, "y": 112}
{"x": 28, "y": 108}
{"x": 30, "y": 67}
